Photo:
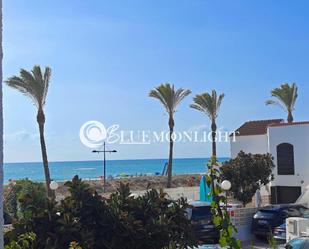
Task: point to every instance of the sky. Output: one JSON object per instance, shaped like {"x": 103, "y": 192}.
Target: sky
{"x": 107, "y": 55}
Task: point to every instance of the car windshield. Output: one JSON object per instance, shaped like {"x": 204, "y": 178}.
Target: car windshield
{"x": 265, "y": 214}
{"x": 304, "y": 212}
{"x": 296, "y": 212}
{"x": 199, "y": 213}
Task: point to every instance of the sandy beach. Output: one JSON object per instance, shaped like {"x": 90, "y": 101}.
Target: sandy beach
{"x": 137, "y": 183}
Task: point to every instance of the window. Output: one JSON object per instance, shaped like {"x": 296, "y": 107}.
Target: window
{"x": 199, "y": 213}
{"x": 291, "y": 212}
{"x": 285, "y": 159}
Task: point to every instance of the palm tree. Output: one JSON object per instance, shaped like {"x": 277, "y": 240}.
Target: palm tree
{"x": 210, "y": 105}
{"x": 1, "y": 136}
{"x": 35, "y": 84}
{"x": 169, "y": 98}
{"x": 286, "y": 96}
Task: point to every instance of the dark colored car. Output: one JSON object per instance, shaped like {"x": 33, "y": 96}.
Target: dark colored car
{"x": 280, "y": 232}
{"x": 269, "y": 217}
{"x": 201, "y": 218}
{"x": 298, "y": 243}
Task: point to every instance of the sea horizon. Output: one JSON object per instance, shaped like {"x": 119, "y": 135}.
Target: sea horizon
{"x": 92, "y": 169}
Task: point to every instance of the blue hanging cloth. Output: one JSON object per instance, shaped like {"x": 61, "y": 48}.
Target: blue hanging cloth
{"x": 205, "y": 191}
{"x": 203, "y": 186}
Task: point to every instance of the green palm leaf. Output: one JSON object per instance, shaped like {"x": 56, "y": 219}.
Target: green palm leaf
{"x": 286, "y": 96}
{"x": 33, "y": 84}
{"x": 208, "y": 103}
{"x": 169, "y": 97}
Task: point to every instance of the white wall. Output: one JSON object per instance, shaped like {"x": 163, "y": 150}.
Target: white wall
{"x": 298, "y": 136}
{"x": 255, "y": 144}
{"x": 191, "y": 193}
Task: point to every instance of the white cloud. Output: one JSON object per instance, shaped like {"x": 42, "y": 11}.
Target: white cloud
{"x": 21, "y": 135}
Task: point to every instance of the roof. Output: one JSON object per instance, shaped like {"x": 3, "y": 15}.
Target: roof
{"x": 289, "y": 124}
{"x": 257, "y": 127}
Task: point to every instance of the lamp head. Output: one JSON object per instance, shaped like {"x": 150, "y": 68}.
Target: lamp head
{"x": 53, "y": 185}
{"x": 226, "y": 185}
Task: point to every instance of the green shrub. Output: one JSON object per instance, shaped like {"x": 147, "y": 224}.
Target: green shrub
{"x": 23, "y": 196}
{"x": 24, "y": 241}
{"x": 74, "y": 245}
{"x": 150, "y": 221}
{"x": 248, "y": 173}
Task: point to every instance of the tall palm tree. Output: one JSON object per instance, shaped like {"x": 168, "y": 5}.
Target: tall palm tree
{"x": 286, "y": 96}
{"x": 169, "y": 98}
{"x": 210, "y": 105}
{"x": 35, "y": 84}
{"x": 1, "y": 136}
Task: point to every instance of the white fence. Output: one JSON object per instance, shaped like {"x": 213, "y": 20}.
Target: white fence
{"x": 242, "y": 219}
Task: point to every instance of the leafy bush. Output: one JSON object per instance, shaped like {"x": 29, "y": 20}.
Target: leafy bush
{"x": 74, "y": 245}
{"x": 22, "y": 196}
{"x": 24, "y": 241}
{"x": 87, "y": 220}
{"x": 247, "y": 173}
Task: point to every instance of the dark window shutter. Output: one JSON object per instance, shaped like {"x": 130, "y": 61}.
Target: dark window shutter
{"x": 285, "y": 159}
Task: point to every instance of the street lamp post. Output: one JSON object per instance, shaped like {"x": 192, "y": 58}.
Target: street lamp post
{"x": 104, "y": 163}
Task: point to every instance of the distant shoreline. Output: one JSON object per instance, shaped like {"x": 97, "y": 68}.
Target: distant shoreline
{"x": 93, "y": 170}
{"x": 100, "y": 160}
{"x": 118, "y": 179}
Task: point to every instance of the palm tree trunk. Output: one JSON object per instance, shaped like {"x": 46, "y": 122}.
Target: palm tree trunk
{"x": 1, "y": 136}
{"x": 290, "y": 117}
{"x": 41, "y": 122}
{"x": 213, "y": 135}
{"x": 214, "y": 154}
{"x": 170, "y": 160}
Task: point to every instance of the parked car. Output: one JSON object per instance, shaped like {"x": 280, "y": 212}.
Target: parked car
{"x": 280, "y": 232}
{"x": 211, "y": 247}
{"x": 268, "y": 218}
{"x": 201, "y": 218}
{"x": 298, "y": 243}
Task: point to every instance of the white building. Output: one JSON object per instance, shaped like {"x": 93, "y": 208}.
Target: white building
{"x": 288, "y": 144}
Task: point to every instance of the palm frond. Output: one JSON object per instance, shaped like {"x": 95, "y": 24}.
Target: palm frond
{"x": 32, "y": 84}
{"x": 286, "y": 96}
{"x": 219, "y": 102}
{"x": 273, "y": 102}
{"x": 169, "y": 97}
{"x": 18, "y": 84}
{"x": 46, "y": 80}
{"x": 208, "y": 103}
{"x": 180, "y": 94}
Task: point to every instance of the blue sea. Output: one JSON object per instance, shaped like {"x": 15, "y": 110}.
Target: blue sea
{"x": 62, "y": 171}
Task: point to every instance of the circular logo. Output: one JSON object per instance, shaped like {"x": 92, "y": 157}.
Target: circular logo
{"x": 92, "y": 134}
